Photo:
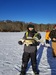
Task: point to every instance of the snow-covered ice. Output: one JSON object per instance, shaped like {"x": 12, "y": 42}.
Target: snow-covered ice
{"x": 11, "y": 55}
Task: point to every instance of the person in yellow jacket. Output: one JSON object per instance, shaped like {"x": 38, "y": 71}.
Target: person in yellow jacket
{"x": 47, "y": 38}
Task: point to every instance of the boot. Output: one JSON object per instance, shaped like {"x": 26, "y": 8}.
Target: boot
{"x": 22, "y": 73}
{"x": 36, "y": 73}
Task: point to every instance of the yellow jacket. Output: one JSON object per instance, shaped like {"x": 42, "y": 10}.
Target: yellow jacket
{"x": 47, "y": 35}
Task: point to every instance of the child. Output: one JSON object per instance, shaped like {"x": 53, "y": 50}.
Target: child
{"x": 47, "y": 38}
{"x": 30, "y": 50}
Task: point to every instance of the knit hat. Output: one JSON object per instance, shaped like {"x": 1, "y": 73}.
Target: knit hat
{"x": 54, "y": 26}
{"x": 30, "y": 26}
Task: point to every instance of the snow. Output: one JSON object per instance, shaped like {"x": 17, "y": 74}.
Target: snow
{"x": 11, "y": 55}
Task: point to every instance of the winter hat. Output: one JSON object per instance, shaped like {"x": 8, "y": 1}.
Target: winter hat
{"x": 54, "y": 26}
{"x": 30, "y": 26}
{"x": 47, "y": 30}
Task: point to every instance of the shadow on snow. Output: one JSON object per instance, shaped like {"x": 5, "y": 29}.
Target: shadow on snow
{"x": 51, "y": 60}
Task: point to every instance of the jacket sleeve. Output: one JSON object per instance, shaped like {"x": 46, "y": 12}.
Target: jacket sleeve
{"x": 51, "y": 34}
{"x": 24, "y": 37}
{"x": 39, "y": 36}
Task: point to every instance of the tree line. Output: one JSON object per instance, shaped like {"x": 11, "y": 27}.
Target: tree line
{"x": 18, "y": 26}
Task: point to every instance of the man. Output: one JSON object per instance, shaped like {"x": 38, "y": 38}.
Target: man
{"x": 53, "y": 38}
{"x": 30, "y": 49}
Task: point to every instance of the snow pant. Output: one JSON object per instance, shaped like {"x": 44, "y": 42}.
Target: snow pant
{"x": 54, "y": 48}
{"x": 25, "y": 59}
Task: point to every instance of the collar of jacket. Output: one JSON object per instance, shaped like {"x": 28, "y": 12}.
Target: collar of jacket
{"x": 33, "y": 36}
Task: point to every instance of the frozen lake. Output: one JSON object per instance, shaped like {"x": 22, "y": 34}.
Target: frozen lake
{"x": 11, "y": 54}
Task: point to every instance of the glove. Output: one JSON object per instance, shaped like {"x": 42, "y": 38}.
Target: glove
{"x": 39, "y": 36}
{"x": 38, "y": 43}
{"x": 20, "y": 42}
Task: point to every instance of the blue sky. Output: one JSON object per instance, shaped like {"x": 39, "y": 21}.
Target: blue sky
{"x": 36, "y": 11}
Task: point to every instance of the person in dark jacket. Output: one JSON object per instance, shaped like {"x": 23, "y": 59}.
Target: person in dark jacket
{"x": 53, "y": 38}
{"x": 30, "y": 50}
{"x": 53, "y": 34}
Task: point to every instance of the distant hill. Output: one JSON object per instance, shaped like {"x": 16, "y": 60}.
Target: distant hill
{"x": 18, "y": 26}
